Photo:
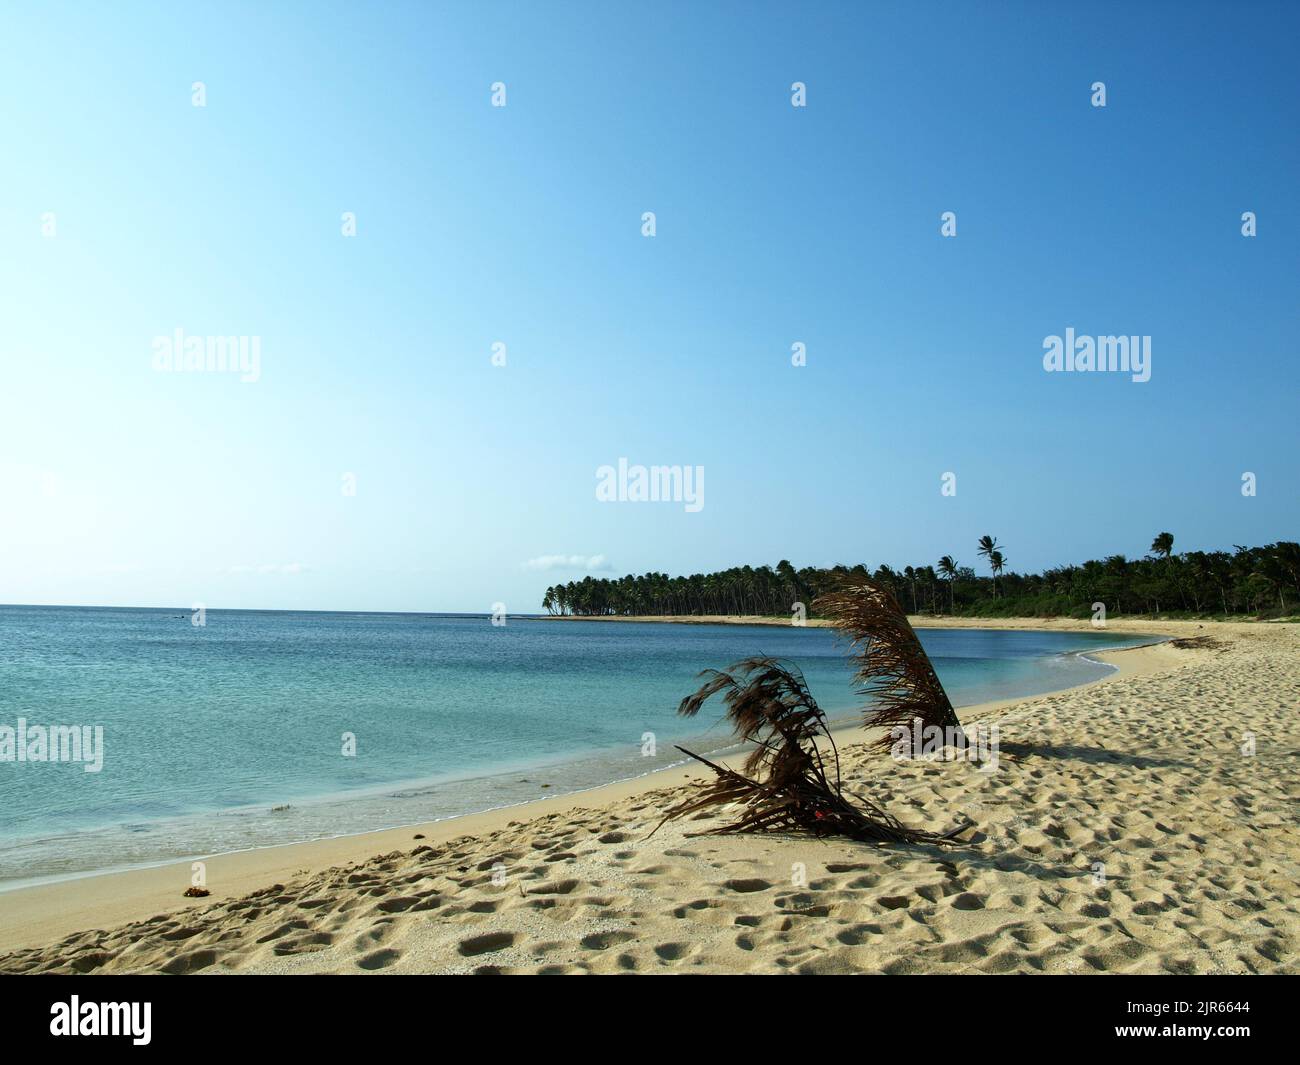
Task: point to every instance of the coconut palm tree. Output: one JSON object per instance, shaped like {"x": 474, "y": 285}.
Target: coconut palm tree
{"x": 1252, "y": 579}
{"x": 931, "y": 583}
{"x": 790, "y": 779}
{"x": 988, "y": 546}
{"x": 909, "y": 573}
{"x": 1288, "y": 557}
{"x": 1274, "y": 572}
{"x": 1163, "y": 545}
{"x": 896, "y": 675}
{"x": 947, "y": 567}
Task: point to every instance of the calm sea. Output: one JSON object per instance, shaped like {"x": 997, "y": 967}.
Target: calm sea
{"x": 232, "y": 735}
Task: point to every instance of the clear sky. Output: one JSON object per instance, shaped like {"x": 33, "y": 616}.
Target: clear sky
{"x": 522, "y": 225}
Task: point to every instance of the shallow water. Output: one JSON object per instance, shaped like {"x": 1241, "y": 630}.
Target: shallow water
{"x": 231, "y": 735}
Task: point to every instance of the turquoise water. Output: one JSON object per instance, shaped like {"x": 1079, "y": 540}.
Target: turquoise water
{"x": 230, "y": 735}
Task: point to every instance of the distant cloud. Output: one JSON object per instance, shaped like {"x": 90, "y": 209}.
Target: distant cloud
{"x": 291, "y": 569}
{"x": 585, "y": 563}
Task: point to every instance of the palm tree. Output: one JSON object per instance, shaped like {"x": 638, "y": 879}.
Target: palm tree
{"x": 996, "y": 562}
{"x": 1288, "y": 557}
{"x": 931, "y": 583}
{"x": 1274, "y": 572}
{"x": 894, "y": 671}
{"x": 790, "y": 779}
{"x": 1163, "y": 545}
{"x": 1252, "y": 579}
{"x": 988, "y": 546}
{"x": 1220, "y": 573}
{"x": 948, "y": 568}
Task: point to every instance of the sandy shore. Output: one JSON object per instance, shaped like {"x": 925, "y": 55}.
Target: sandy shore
{"x": 1124, "y": 831}
{"x": 692, "y": 619}
{"x": 919, "y": 621}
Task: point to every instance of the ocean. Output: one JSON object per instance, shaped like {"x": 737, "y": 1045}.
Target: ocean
{"x": 266, "y": 727}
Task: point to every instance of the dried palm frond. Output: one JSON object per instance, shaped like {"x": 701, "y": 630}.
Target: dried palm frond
{"x": 892, "y": 666}
{"x": 786, "y": 783}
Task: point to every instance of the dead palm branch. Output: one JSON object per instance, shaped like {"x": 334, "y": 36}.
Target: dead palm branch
{"x": 894, "y": 671}
{"x": 789, "y": 780}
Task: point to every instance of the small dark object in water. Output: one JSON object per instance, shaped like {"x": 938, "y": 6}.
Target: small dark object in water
{"x": 197, "y": 893}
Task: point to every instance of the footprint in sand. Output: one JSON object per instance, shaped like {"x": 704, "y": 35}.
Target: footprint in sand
{"x": 486, "y": 943}
{"x": 605, "y": 940}
{"x": 558, "y": 887}
{"x": 188, "y": 963}
{"x": 676, "y": 951}
{"x": 746, "y": 886}
{"x": 379, "y": 959}
{"x": 397, "y": 905}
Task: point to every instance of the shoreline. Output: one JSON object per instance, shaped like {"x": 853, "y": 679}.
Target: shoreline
{"x": 45, "y": 912}
{"x": 716, "y": 746}
{"x": 1174, "y": 775}
{"x": 917, "y": 621}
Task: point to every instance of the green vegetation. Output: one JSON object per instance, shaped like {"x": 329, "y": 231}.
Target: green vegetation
{"x": 1250, "y": 581}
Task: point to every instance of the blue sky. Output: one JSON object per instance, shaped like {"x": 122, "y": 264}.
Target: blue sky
{"x": 522, "y": 224}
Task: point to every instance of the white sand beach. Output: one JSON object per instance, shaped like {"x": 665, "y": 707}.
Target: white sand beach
{"x": 1127, "y": 828}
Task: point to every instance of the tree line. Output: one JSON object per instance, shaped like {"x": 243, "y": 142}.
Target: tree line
{"x": 1254, "y": 581}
